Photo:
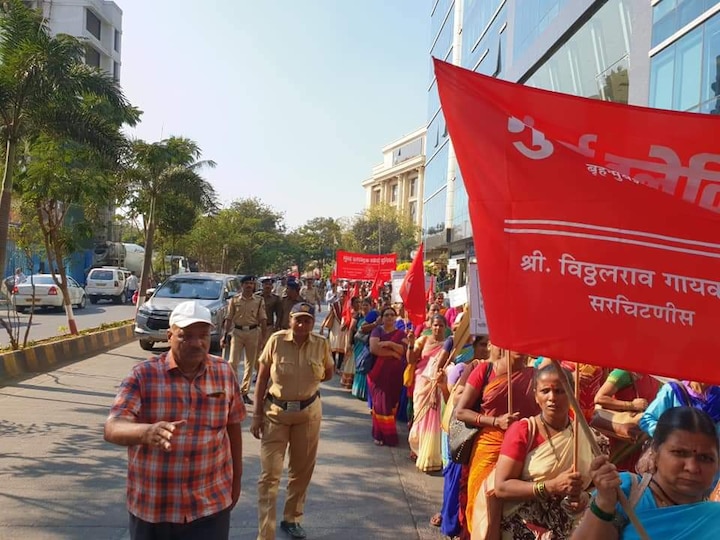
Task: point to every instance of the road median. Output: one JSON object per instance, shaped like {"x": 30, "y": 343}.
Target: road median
{"x": 45, "y": 357}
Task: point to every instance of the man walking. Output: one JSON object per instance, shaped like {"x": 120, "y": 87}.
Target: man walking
{"x": 180, "y": 416}
{"x": 246, "y": 319}
{"x": 131, "y": 285}
{"x": 292, "y": 366}
{"x": 272, "y": 309}
{"x": 312, "y": 294}
{"x": 287, "y": 301}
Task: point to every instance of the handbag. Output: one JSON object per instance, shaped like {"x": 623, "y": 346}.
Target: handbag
{"x": 364, "y": 361}
{"x": 622, "y": 425}
{"x": 462, "y": 436}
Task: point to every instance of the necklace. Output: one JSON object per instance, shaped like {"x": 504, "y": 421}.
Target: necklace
{"x": 549, "y": 425}
{"x": 549, "y": 437}
{"x": 663, "y": 494}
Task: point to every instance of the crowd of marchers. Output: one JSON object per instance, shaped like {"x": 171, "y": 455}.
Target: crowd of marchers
{"x": 497, "y": 424}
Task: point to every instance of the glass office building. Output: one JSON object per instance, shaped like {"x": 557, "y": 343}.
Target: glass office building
{"x": 664, "y": 54}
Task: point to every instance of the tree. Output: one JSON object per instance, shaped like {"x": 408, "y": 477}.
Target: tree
{"x": 46, "y": 88}
{"x": 61, "y": 175}
{"x": 168, "y": 170}
{"x": 247, "y": 237}
{"x": 381, "y": 229}
{"x": 318, "y": 240}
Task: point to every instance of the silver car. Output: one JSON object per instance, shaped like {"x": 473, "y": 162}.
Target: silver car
{"x": 211, "y": 290}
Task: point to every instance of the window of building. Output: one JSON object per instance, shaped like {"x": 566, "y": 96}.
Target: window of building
{"x": 116, "y": 71}
{"x": 92, "y": 57}
{"x": 412, "y": 210}
{"x": 117, "y": 40}
{"x": 394, "y": 193}
{"x": 376, "y": 197}
{"x": 669, "y": 16}
{"x": 92, "y": 24}
{"x": 413, "y": 188}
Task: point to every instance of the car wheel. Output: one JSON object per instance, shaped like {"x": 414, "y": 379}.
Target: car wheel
{"x": 20, "y": 309}
{"x": 119, "y": 299}
{"x": 146, "y": 345}
{"x": 93, "y": 300}
{"x": 82, "y": 303}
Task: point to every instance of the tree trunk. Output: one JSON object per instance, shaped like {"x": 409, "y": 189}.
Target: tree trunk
{"x": 6, "y": 199}
{"x": 147, "y": 259}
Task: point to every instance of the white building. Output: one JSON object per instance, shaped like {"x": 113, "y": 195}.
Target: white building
{"x": 398, "y": 181}
{"x": 97, "y": 22}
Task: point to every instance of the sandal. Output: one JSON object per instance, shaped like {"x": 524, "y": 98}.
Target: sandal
{"x": 378, "y": 443}
{"x": 436, "y": 520}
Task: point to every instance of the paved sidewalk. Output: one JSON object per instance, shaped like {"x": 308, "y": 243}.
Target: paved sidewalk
{"x": 60, "y": 480}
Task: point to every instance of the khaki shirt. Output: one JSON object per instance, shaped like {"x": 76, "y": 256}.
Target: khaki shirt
{"x": 311, "y": 295}
{"x": 246, "y": 311}
{"x": 286, "y": 305}
{"x": 295, "y": 371}
{"x": 272, "y": 308}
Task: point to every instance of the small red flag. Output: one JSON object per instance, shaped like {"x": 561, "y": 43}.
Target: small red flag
{"x": 376, "y": 286}
{"x": 412, "y": 290}
{"x": 347, "y": 312}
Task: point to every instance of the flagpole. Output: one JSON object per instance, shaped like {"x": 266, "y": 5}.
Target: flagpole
{"x": 622, "y": 499}
{"x": 509, "y": 382}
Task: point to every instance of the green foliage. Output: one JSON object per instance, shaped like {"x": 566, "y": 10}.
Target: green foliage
{"x": 381, "y": 229}
{"x": 245, "y": 238}
{"x": 316, "y": 242}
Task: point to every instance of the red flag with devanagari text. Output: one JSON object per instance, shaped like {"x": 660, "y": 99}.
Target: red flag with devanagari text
{"x": 596, "y": 225}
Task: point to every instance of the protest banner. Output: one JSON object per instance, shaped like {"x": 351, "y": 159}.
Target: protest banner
{"x": 364, "y": 267}
{"x": 596, "y": 224}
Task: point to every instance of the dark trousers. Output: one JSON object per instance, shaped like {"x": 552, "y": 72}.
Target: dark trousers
{"x": 339, "y": 359}
{"x": 214, "y": 527}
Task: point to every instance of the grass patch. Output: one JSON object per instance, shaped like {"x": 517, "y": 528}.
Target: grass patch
{"x": 95, "y": 330}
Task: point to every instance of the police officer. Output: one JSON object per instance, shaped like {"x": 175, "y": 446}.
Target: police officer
{"x": 246, "y": 320}
{"x": 312, "y": 294}
{"x": 287, "y": 301}
{"x": 272, "y": 305}
{"x": 292, "y": 366}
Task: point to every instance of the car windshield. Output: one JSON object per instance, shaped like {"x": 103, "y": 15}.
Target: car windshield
{"x": 101, "y": 274}
{"x": 198, "y": 289}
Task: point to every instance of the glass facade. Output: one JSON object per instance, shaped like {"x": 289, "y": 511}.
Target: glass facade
{"x": 593, "y": 62}
{"x": 669, "y": 16}
{"x": 532, "y": 20}
{"x": 685, "y": 75}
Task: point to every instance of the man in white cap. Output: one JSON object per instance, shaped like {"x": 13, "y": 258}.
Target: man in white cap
{"x": 180, "y": 416}
{"x": 287, "y": 414}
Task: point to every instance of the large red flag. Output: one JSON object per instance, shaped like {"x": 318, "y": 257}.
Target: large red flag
{"x": 347, "y": 312}
{"x": 596, "y": 225}
{"x": 412, "y": 289}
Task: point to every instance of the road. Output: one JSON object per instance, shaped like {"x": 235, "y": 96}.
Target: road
{"x": 47, "y": 324}
{"x": 60, "y": 480}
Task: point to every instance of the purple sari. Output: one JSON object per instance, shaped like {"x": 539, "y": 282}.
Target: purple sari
{"x": 385, "y": 385}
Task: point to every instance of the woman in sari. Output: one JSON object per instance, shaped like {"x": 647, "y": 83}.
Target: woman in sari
{"x": 424, "y": 437}
{"x": 366, "y": 324}
{"x": 680, "y": 394}
{"x": 484, "y": 403}
{"x": 348, "y": 367}
{"x": 337, "y": 330}
{"x": 389, "y": 345}
{"x": 539, "y": 491}
{"x": 626, "y": 391}
{"x": 669, "y": 502}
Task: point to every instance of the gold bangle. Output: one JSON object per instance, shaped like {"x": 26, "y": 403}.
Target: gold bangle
{"x": 477, "y": 419}
{"x": 541, "y": 490}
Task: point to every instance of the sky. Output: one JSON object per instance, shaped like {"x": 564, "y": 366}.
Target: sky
{"x": 294, "y": 99}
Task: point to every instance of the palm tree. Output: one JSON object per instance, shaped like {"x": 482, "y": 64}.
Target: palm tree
{"x": 46, "y": 88}
{"x": 163, "y": 170}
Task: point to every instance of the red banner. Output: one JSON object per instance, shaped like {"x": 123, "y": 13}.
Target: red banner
{"x": 364, "y": 267}
{"x": 596, "y": 225}
{"x": 412, "y": 290}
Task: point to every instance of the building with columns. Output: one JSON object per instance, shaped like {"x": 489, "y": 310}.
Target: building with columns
{"x": 399, "y": 180}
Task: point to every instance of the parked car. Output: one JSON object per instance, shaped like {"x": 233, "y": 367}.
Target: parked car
{"x": 211, "y": 290}
{"x": 107, "y": 283}
{"x": 47, "y": 294}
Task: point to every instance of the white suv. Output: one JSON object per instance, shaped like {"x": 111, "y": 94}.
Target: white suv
{"x": 107, "y": 283}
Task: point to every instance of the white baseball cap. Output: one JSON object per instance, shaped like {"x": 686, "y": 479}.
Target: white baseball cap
{"x": 190, "y": 312}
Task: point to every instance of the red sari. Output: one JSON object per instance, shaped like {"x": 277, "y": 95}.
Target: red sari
{"x": 385, "y": 384}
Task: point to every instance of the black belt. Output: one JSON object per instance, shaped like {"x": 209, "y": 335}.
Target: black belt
{"x": 293, "y": 406}
{"x": 251, "y": 327}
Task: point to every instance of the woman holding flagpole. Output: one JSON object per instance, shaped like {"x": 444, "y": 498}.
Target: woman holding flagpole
{"x": 424, "y": 437}
{"x": 540, "y": 476}
{"x": 365, "y": 325}
{"x": 484, "y": 403}
{"x": 389, "y": 345}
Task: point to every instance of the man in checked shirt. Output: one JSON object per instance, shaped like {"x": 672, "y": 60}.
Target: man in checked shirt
{"x": 180, "y": 416}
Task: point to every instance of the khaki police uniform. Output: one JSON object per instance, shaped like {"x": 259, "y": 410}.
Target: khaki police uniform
{"x": 247, "y": 315}
{"x": 293, "y": 412}
{"x": 286, "y": 304}
{"x": 272, "y": 310}
{"x": 311, "y": 295}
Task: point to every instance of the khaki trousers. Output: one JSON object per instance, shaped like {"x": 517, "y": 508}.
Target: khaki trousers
{"x": 301, "y": 432}
{"x": 245, "y": 340}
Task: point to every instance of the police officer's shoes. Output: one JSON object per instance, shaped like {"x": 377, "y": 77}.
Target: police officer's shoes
{"x": 246, "y": 400}
{"x": 294, "y": 530}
